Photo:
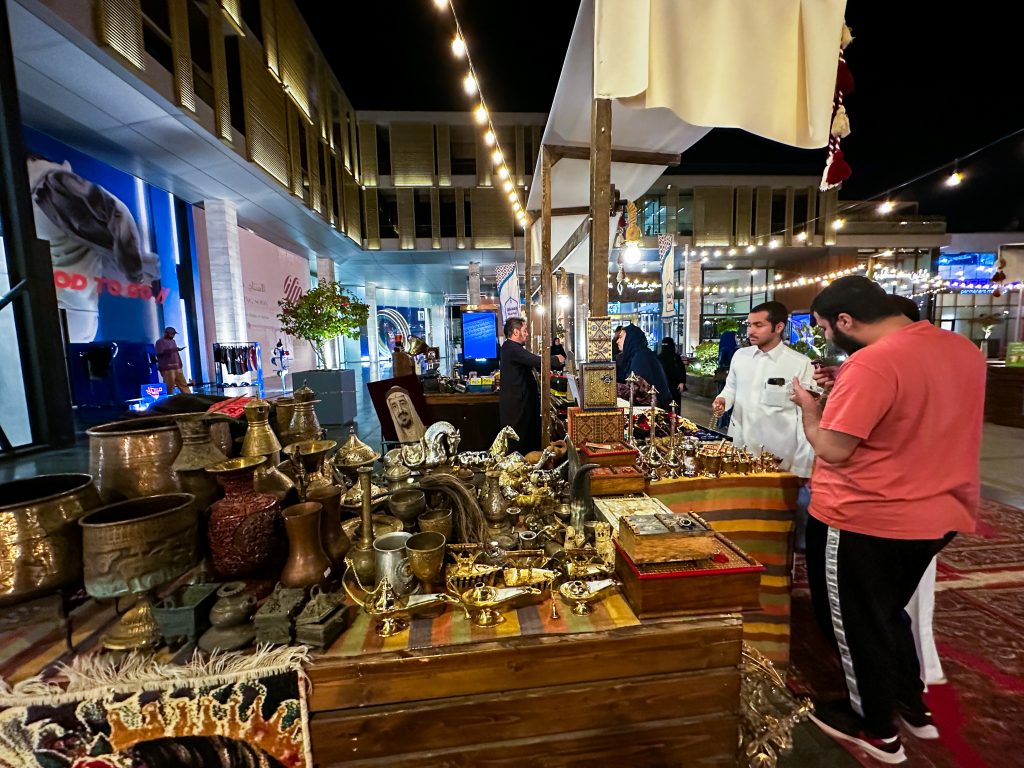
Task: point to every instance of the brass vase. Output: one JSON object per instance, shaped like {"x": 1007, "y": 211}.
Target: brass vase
{"x": 260, "y": 439}
{"x": 335, "y": 541}
{"x": 40, "y": 540}
{"x": 307, "y": 562}
{"x": 243, "y": 524}
{"x": 197, "y": 453}
{"x": 492, "y": 502}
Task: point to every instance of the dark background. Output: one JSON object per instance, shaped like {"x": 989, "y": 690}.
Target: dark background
{"x": 932, "y": 85}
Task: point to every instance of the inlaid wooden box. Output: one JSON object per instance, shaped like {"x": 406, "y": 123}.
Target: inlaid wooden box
{"x": 616, "y": 481}
{"x": 594, "y": 426}
{"x": 597, "y": 386}
{"x": 599, "y": 339}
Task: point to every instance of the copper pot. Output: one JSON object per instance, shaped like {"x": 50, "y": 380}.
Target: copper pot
{"x": 133, "y": 458}
{"x": 137, "y": 545}
{"x": 40, "y": 542}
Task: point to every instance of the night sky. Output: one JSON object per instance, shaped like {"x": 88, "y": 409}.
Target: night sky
{"x": 931, "y": 85}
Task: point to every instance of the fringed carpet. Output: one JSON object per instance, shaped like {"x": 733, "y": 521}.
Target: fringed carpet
{"x": 979, "y": 633}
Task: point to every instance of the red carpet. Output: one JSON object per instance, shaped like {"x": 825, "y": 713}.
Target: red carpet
{"x": 979, "y": 632}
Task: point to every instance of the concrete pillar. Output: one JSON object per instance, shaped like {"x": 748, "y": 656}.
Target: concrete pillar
{"x": 473, "y": 288}
{"x": 371, "y": 330}
{"x": 693, "y": 297}
{"x": 582, "y": 289}
{"x": 228, "y": 306}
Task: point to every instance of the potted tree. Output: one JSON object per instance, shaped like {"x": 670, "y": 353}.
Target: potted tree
{"x": 319, "y": 315}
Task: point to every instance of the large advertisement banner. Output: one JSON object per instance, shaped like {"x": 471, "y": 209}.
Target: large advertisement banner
{"x": 113, "y": 243}
{"x": 269, "y": 274}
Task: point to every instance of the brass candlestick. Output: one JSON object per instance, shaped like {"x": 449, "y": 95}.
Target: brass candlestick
{"x": 631, "y": 380}
{"x": 361, "y": 554}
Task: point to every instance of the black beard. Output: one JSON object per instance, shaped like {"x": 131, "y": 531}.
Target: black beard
{"x": 846, "y": 343}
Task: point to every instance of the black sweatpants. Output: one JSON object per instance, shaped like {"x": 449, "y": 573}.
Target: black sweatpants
{"x": 860, "y": 586}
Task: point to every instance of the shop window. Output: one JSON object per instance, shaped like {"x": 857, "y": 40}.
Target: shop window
{"x": 199, "y": 43}
{"x": 422, "y": 213}
{"x": 684, "y": 215}
{"x": 156, "y": 32}
{"x": 447, "y": 200}
{"x": 654, "y": 215}
{"x": 383, "y": 150}
{"x": 252, "y": 18}
{"x": 387, "y": 213}
{"x": 463, "y": 139}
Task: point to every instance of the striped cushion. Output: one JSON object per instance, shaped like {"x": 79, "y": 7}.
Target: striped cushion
{"x": 756, "y": 512}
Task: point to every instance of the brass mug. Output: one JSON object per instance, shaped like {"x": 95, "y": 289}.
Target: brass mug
{"x": 426, "y": 557}
{"x": 437, "y": 521}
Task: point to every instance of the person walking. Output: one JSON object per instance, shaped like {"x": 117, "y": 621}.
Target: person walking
{"x": 168, "y": 362}
{"x": 896, "y": 477}
{"x": 519, "y": 398}
{"x": 756, "y": 391}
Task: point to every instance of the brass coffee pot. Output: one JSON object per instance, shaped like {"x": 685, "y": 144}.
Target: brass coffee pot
{"x": 260, "y": 439}
{"x": 304, "y": 424}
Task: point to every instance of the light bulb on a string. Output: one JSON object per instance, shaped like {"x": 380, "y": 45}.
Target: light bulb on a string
{"x": 489, "y": 138}
{"x": 751, "y": 248}
{"x": 469, "y": 85}
{"x": 480, "y": 114}
{"x": 954, "y": 179}
{"x": 440, "y": 4}
{"x": 838, "y": 223}
{"x": 497, "y": 158}
{"x": 802, "y": 237}
{"x": 507, "y": 186}
{"x": 458, "y": 46}
{"x": 512, "y": 197}
{"x": 886, "y": 207}
{"x": 503, "y": 172}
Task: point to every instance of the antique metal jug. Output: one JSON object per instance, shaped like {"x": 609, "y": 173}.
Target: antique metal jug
{"x": 307, "y": 563}
{"x": 197, "y": 453}
{"x": 260, "y": 439}
{"x": 304, "y": 424}
{"x": 335, "y": 541}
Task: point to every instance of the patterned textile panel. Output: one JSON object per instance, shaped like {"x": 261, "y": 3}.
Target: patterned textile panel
{"x": 757, "y": 513}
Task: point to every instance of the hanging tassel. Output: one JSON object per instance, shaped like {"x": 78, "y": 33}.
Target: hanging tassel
{"x": 844, "y": 78}
{"x": 838, "y": 170}
{"x": 845, "y": 38}
{"x": 841, "y": 123}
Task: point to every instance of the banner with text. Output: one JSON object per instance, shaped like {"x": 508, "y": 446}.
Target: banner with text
{"x": 508, "y": 291}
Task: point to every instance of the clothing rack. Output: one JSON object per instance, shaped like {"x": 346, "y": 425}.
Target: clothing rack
{"x": 238, "y": 364}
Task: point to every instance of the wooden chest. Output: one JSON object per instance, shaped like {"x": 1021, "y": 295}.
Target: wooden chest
{"x": 597, "y": 386}
{"x": 666, "y": 537}
{"x": 594, "y": 426}
{"x": 614, "y": 454}
{"x": 599, "y": 339}
{"x": 730, "y": 581}
{"x": 616, "y": 481}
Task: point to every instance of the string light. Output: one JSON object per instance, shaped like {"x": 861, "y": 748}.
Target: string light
{"x": 482, "y": 116}
{"x": 773, "y": 243}
{"x": 779, "y": 284}
{"x": 838, "y": 223}
{"x": 954, "y": 179}
{"x": 886, "y": 207}
{"x": 751, "y": 249}
{"x": 802, "y": 237}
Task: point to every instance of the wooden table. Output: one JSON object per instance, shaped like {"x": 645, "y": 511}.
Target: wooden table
{"x": 660, "y": 692}
{"x": 474, "y": 415}
{"x": 757, "y": 513}
{"x": 1004, "y": 396}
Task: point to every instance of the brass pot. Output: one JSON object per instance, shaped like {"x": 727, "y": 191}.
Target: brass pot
{"x": 307, "y": 563}
{"x": 139, "y": 544}
{"x": 133, "y": 458}
{"x": 198, "y": 451}
{"x": 40, "y": 542}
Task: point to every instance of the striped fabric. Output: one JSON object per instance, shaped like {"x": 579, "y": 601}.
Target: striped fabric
{"x": 757, "y": 513}
{"x": 452, "y": 627}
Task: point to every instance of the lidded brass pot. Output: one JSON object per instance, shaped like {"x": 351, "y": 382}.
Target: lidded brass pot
{"x": 354, "y": 453}
{"x": 304, "y": 424}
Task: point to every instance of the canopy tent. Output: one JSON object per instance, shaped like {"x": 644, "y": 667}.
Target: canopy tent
{"x": 673, "y": 69}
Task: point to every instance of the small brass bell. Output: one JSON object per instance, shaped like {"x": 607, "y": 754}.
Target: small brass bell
{"x": 260, "y": 439}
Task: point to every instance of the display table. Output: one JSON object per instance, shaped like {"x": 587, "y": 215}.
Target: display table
{"x": 474, "y": 415}
{"x": 605, "y": 689}
{"x": 757, "y": 513}
{"x": 1004, "y": 396}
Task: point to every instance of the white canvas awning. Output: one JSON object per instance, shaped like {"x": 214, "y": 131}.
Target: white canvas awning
{"x": 676, "y": 68}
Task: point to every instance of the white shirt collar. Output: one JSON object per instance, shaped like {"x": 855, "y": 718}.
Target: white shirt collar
{"x": 774, "y": 354}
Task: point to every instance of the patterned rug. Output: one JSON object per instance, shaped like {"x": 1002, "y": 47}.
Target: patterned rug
{"x": 228, "y": 711}
{"x": 979, "y": 633}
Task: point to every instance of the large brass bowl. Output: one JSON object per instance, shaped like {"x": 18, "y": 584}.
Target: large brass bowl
{"x": 40, "y": 541}
{"x": 136, "y": 545}
{"x": 132, "y": 458}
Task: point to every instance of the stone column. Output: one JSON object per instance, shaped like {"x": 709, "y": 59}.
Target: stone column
{"x": 226, "y": 284}
{"x": 371, "y": 330}
{"x": 694, "y": 298}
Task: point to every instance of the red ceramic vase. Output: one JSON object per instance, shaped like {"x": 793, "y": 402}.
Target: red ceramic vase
{"x": 243, "y": 525}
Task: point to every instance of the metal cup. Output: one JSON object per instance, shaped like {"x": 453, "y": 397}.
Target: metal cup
{"x": 392, "y": 562}
{"x": 426, "y": 557}
{"x": 438, "y": 521}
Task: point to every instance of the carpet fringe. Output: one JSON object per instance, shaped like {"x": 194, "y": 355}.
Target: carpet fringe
{"x": 102, "y": 675}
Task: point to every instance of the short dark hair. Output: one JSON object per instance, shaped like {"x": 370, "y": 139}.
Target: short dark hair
{"x": 855, "y": 295}
{"x": 906, "y": 306}
{"x": 777, "y": 312}
{"x": 618, "y": 328}
{"x": 512, "y": 325}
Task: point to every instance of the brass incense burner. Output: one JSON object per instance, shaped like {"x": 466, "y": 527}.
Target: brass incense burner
{"x": 582, "y": 593}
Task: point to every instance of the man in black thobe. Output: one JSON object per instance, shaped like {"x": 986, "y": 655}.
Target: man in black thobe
{"x": 519, "y": 399}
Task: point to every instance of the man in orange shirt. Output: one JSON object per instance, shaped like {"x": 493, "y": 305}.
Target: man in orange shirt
{"x": 896, "y": 477}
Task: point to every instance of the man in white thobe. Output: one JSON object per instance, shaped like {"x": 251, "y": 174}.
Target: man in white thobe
{"x": 756, "y": 390}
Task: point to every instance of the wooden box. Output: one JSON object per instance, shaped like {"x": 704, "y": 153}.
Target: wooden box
{"x": 665, "y": 537}
{"x": 615, "y": 481}
{"x": 599, "y": 339}
{"x": 729, "y": 581}
{"x": 597, "y": 386}
{"x": 609, "y": 510}
{"x": 594, "y": 426}
{"x": 614, "y": 454}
